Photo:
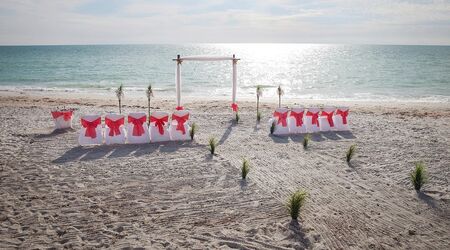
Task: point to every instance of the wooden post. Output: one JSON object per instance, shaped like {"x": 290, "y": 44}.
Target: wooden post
{"x": 178, "y": 81}
{"x": 234, "y": 79}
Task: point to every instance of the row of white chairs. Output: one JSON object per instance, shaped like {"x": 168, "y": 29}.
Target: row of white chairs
{"x": 311, "y": 120}
{"x": 136, "y": 130}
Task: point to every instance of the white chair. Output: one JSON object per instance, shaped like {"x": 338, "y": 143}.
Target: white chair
{"x": 296, "y": 124}
{"x": 312, "y": 120}
{"x": 115, "y": 129}
{"x": 62, "y": 119}
{"x": 137, "y": 130}
{"x": 280, "y": 118}
{"x": 341, "y": 119}
{"x": 326, "y": 122}
{"x": 91, "y": 132}
{"x": 179, "y": 128}
{"x": 158, "y": 128}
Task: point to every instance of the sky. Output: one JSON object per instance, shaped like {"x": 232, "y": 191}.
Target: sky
{"x": 26, "y": 22}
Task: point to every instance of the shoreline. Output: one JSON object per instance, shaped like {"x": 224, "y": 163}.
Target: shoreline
{"x": 110, "y": 98}
{"x": 167, "y": 95}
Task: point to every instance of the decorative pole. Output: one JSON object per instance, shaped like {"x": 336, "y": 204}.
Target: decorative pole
{"x": 178, "y": 83}
{"x": 234, "y": 104}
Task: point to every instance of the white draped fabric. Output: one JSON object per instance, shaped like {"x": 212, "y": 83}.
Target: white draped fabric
{"x": 179, "y": 60}
{"x": 234, "y": 81}
{"x": 206, "y": 58}
{"x": 178, "y": 82}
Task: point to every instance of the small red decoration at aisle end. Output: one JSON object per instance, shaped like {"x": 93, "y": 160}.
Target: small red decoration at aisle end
{"x": 179, "y": 108}
{"x": 234, "y": 106}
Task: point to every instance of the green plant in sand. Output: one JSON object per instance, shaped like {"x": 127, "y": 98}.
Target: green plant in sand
{"x": 119, "y": 94}
{"x": 245, "y": 168}
{"x": 350, "y": 152}
{"x": 419, "y": 176}
{"x": 272, "y": 127}
{"x": 306, "y": 141}
{"x": 212, "y": 144}
{"x": 193, "y": 130}
{"x": 295, "y": 202}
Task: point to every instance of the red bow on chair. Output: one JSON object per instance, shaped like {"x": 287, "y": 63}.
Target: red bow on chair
{"x": 114, "y": 126}
{"x": 298, "y": 118}
{"x": 314, "y": 117}
{"x": 234, "y": 106}
{"x": 160, "y": 122}
{"x": 90, "y": 127}
{"x": 329, "y": 116}
{"x": 67, "y": 114}
{"x": 179, "y": 108}
{"x": 344, "y": 115}
{"x": 138, "y": 128}
{"x": 281, "y": 118}
{"x": 180, "y": 122}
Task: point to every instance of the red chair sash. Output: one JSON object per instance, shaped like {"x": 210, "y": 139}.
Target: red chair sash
{"x": 181, "y": 120}
{"x": 344, "y": 115}
{"x": 281, "y": 118}
{"x": 234, "y": 106}
{"x": 67, "y": 114}
{"x": 160, "y": 122}
{"x": 138, "y": 125}
{"x": 90, "y": 127}
{"x": 329, "y": 116}
{"x": 314, "y": 117}
{"x": 114, "y": 126}
{"x": 298, "y": 118}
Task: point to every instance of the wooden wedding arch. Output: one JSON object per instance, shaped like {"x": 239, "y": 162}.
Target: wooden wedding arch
{"x": 180, "y": 59}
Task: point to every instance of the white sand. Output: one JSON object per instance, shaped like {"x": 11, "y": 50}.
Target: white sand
{"x": 175, "y": 195}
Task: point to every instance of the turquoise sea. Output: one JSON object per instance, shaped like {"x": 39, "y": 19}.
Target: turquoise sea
{"x": 305, "y": 71}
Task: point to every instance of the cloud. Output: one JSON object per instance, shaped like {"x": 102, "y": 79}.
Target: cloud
{"x": 158, "y": 21}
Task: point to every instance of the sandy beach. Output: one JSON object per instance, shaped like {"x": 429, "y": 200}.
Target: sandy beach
{"x": 57, "y": 194}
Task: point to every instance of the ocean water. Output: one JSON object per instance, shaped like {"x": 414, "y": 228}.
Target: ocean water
{"x": 305, "y": 71}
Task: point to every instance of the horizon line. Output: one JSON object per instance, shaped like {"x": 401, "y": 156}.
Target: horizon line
{"x": 213, "y": 43}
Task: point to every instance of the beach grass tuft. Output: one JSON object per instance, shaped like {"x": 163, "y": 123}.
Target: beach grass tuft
{"x": 350, "y": 152}
{"x": 295, "y": 202}
{"x": 272, "y": 127}
{"x": 237, "y": 117}
{"x": 193, "y": 130}
{"x": 212, "y": 144}
{"x": 419, "y": 176}
{"x": 245, "y": 168}
{"x": 258, "y": 116}
{"x": 306, "y": 140}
